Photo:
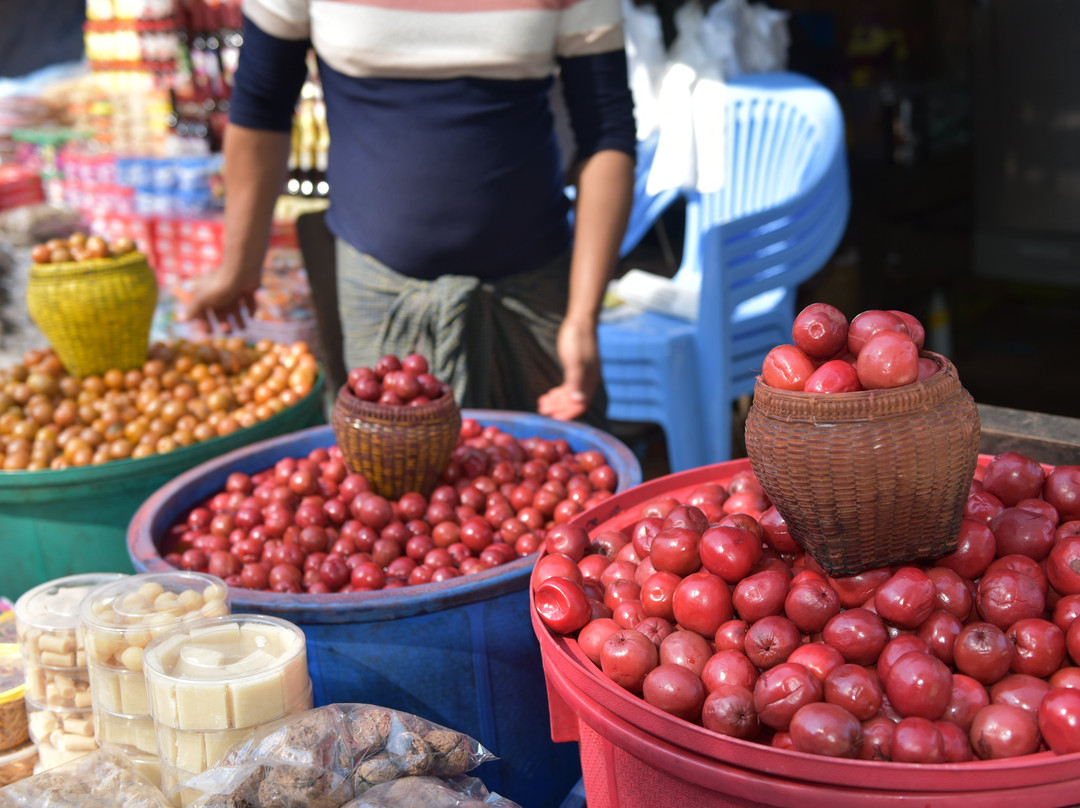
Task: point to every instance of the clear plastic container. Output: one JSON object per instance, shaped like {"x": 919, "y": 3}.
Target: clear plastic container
{"x": 149, "y": 766}
{"x": 120, "y": 618}
{"x": 58, "y": 688}
{"x": 47, "y": 621}
{"x": 133, "y": 735}
{"x": 57, "y": 695}
{"x": 211, "y": 682}
{"x": 17, "y": 763}
{"x": 226, "y": 673}
{"x": 61, "y": 735}
{"x": 184, "y": 754}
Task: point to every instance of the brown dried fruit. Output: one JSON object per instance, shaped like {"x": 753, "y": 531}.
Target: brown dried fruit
{"x": 413, "y": 754}
{"x": 380, "y": 768}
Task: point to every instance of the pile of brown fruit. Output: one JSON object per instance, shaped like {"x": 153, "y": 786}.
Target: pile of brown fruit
{"x": 185, "y": 393}
{"x": 79, "y": 247}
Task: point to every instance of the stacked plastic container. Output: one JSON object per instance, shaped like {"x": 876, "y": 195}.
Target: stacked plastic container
{"x": 58, "y": 706}
{"x": 119, "y": 620}
{"x": 211, "y": 682}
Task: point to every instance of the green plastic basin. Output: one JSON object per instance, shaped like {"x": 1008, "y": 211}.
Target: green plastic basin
{"x": 58, "y": 523}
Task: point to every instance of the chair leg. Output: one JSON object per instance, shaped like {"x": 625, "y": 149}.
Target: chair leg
{"x": 719, "y": 443}
{"x": 686, "y": 444}
{"x": 692, "y": 444}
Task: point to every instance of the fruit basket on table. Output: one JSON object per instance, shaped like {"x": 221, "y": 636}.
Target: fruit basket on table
{"x": 396, "y": 425}
{"x": 873, "y": 474}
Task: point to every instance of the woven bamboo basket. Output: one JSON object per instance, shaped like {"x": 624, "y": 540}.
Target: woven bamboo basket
{"x": 397, "y": 449}
{"x": 96, "y": 314}
{"x": 868, "y": 479}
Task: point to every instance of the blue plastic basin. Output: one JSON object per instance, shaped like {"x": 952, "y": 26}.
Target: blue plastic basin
{"x": 461, "y": 653}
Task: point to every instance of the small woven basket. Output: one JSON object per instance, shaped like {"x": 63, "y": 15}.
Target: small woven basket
{"x": 96, "y": 314}
{"x": 868, "y": 479}
{"x": 397, "y": 449}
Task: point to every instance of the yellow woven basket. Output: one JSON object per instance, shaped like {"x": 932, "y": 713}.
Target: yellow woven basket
{"x": 398, "y": 449}
{"x": 96, "y": 314}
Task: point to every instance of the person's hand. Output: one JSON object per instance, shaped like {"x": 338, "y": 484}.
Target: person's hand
{"x": 580, "y": 357}
{"x": 222, "y": 297}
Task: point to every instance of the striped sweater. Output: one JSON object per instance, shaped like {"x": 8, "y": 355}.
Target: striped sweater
{"x": 443, "y": 156}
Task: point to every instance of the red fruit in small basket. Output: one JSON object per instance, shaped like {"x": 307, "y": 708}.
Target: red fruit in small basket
{"x": 820, "y": 331}
{"x": 888, "y": 359}
{"x": 786, "y": 368}
{"x": 834, "y": 376}
{"x": 914, "y": 327}
{"x": 865, "y": 325}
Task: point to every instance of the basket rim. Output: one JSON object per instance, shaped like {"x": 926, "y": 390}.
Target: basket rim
{"x": 943, "y": 361}
{"x": 347, "y": 405}
{"x": 88, "y": 267}
{"x": 799, "y": 405}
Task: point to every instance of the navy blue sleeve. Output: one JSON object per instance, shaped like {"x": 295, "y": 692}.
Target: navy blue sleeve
{"x": 269, "y": 76}
{"x": 598, "y": 99}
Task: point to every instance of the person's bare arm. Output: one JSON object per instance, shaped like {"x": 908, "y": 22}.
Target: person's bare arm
{"x": 255, "y": 166}
{"x": 605, "y": 194}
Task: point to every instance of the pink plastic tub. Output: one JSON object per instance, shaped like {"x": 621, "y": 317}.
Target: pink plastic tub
{"x": 635, "y": 756}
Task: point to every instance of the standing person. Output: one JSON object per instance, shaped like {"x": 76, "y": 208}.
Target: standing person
{"x": 446, "y": 183}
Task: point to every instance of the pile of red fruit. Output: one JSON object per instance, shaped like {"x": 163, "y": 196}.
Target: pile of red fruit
{"x": 877, "y": 349}
{"x": 720, "y": 619}
{"x": 310, "y": 525}
{"x": 395, "y": 382}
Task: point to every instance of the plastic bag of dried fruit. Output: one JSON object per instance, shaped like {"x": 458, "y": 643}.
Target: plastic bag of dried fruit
{"x": 431, "y": 792}
{"x": 99, "y": 779}
{"x": 325, "y": 757}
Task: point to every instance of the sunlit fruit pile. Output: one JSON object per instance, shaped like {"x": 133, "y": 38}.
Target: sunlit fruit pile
{"x": 718, "y": 618}
{"x": 878, "y": 349}
{"x": 310, "y": 525}
{"x": 185, "y": 393}
{"x": 79, "y": 247}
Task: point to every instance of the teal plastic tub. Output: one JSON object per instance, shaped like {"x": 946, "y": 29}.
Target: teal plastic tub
{"x": 461, "y": 653}
{"x": 59, "y": 523}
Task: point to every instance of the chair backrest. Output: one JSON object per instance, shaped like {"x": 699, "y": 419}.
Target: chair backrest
{"x": 784, "y": 152}
{"x": 774, "y": 224}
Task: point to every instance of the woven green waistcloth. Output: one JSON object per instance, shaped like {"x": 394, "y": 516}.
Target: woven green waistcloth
{"x": 493, "y": 342}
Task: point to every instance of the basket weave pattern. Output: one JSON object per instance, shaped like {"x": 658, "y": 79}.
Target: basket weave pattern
{"x": 96, "y": 314}
{"x": 868, "y": 479}
{"x": 397, "y": 449}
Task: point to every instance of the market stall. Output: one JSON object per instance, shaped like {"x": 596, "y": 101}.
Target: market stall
{"x": 229, "y": 584}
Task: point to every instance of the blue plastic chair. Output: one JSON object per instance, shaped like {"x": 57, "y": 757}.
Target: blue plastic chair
{"x": 774, "y": 224}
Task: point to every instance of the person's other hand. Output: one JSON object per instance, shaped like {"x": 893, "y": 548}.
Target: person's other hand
{"x": 580, "y": 357}
{"x": 221, "y": 297}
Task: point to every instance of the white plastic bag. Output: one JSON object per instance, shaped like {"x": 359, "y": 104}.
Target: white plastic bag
{"x": 674, "y": 164}
{"x": 689, "y": 153}
{"x": 646, "y": 60}
{"x": 746, "y": 37}
{"x": 733, "y": 37}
